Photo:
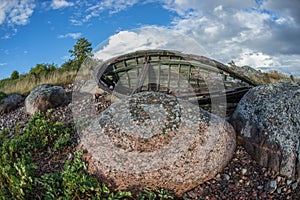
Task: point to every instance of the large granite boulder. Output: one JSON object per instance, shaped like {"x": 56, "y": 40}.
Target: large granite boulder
{"x": 267, "y": 120}
{"x": 153, "y": 140}
{"x": 44, "y": 97}
{"x": 10, "y": 103}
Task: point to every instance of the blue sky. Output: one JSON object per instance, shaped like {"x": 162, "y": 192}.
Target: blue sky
{"x": 264, "y": 34}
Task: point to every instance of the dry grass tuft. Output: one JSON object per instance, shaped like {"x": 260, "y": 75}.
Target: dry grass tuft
{"x": 26, "y": 83}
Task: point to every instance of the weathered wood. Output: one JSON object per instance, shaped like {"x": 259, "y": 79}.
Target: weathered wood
{"x": 199, "y": 71}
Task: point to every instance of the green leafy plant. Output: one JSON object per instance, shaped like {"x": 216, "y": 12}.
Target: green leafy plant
{"x": 76, "y": 183}
{"x": 2, "y": 96}
{"x": 23, "y": 152}
{"x": 17, "y": 169}
{"x": 161, "y": 194}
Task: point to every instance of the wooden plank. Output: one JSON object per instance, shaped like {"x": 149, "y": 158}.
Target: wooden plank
{"x": 136, "y": 60}
{"x": 189, "y": 73}
{"x": 128, "y": 79}
{"x": 122, "y": 70}
{"x": 169, "y": 76}
{"x": 141, "y": 78}
{"x": 178, "y": 83}
{"x": 158, "y": 79}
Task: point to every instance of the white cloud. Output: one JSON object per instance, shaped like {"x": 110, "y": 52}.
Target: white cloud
{"x": 56, "y": 4}
{"x": 2, "y": 64}
{"x": 94, "y": 10}
{"x": 204, "y": 7}
{"x": 262, "y": 35}
{"x": 6, "y": 36}
{"x": 16, "y": 12}
{"x": 285, "y": 9}
{"x": 70, "y": 35}
{"x": 251, "y": 58}
{"x": 116, "y": 5}
{"x": 148, "y": 37}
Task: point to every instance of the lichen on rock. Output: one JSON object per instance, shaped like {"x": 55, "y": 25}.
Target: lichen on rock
{"x": 268, "y": 120}
{"x": 10, "y": 102}
{"x": 44, "y": 97}
{"x": 152, "y": 140}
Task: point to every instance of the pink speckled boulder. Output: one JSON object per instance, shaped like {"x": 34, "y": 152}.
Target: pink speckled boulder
{"x": 153, "y": 140}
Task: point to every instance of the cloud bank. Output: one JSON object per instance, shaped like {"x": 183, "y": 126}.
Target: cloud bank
{"x": 16, "y": 12}
{"x": 262, "y": 34}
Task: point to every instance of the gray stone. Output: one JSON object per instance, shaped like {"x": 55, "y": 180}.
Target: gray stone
{"x": 294, "y": 186}
{"x": 151, "y": 140}
{"x": 272, "y": 186}
{"x": 10, "y": 103}
{"x": 44, "y": 97}
{"x": 267, "y": 120}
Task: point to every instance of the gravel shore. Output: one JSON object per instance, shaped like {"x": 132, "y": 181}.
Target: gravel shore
{"x": 243, "y": 178}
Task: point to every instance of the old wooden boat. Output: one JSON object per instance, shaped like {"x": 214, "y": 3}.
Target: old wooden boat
{"x": 191, "y": 77}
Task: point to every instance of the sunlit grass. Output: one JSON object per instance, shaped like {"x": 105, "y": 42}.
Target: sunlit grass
{"x": 275, "y": 76}
{"x": 26, "y": 83}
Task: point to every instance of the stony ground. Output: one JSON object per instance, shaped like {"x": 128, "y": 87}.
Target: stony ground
{"x": 243, "y": 178}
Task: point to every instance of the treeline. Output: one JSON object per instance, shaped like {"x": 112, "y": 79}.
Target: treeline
{"x": 81, "y": 51}
{"x": 51, "y": 73}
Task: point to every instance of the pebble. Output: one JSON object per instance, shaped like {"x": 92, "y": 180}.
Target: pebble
{"x": 294, "y": 185}
{"x": 279, "y": 190}
{"x": 288, "y": 182}
{"x": 226, "y": 176}
{"x": 272, "y": 186}
{"x": 278, "y": 179}
{"x": 18, "y": 116}
{"x": 244, "y": 171}
{"x": 256, "y": 186}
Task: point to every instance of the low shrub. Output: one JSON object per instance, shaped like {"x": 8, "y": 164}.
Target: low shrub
{"x": 24, "y": 152}
{"x": 2, "y": 96}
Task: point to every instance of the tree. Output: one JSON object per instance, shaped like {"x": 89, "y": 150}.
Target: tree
{"x": 51, "y": 67}
{"x": 14, "y": 75}
{"x": 39, "y": 69}
{"x": 42, "y": 69}
{"x": 81, "y": 51}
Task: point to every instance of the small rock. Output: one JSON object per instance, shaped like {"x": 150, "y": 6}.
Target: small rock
{"x": 278, "y": 179}
{"x": 279, "y": 190}
{"x": 186, "y": 197}
{"x": 288, "y": 182}
{"x": 226, "y": 176}
{"x": 260, "y": 187}
{"x": 272, "y": 186}
{"x": 44, "y": 97}
{"x": 244, "y": 171}
{"x": 10, "y": 103}
{"x": 218, "y": 176}
{"x": 70, "y": 156}
{"x": 294, "y": 185}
